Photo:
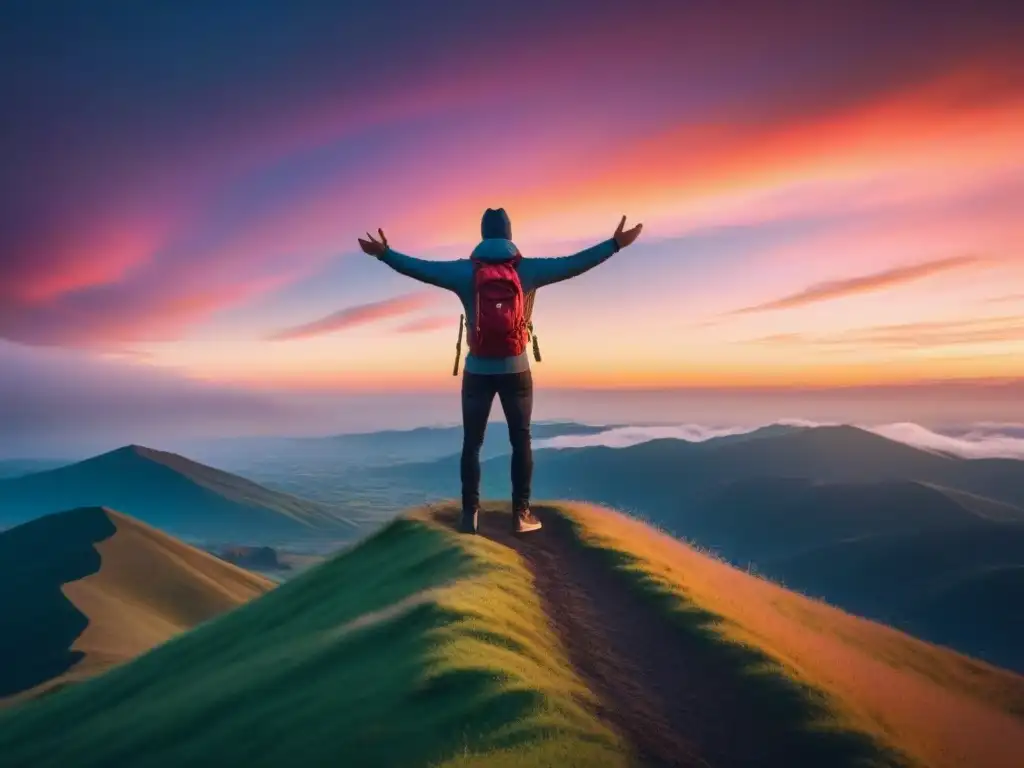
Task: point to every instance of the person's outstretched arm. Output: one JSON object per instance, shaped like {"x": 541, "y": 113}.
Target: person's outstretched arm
{"x": 443, "y": 274}
{"x": 541, "y": 272}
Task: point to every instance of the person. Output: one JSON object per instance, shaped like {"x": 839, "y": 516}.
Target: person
{"x": 498, "y": 364}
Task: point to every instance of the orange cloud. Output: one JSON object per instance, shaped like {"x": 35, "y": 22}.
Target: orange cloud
{"x": 912, "y": 335}
{"x": 837, "y": 289}
{"x": 358, "y": 315}
{"x": 930, "y": 140}
{"x": 105, "y": 317}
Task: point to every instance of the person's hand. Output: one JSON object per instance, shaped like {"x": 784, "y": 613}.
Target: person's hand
{"x": 622, "y": 239}
{"x": 374, "y": 248}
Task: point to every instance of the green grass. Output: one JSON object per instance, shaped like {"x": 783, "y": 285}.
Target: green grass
{"x": 459, "y": 667}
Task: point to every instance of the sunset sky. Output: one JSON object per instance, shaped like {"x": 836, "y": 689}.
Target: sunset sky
{"x": 832, "y": 194}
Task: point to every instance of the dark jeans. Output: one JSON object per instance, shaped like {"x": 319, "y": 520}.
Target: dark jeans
{"x": 515, "y": 390}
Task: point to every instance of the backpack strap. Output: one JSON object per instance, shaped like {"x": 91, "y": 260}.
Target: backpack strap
{"x": 528, "y": 311}
{"x": 458, "y": 346}
{"x": 528, "y": 300}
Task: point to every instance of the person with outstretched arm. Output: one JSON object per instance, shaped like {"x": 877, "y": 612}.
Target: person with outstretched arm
{"x": 492, "y": 285}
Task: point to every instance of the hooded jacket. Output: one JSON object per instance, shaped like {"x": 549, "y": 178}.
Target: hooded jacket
{"x": 534, "y": 273}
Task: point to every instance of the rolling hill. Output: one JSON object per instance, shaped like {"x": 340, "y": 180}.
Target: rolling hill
{"x": 86, "y": 589}
{"x": 670, "y": 475}
{"x": 772, "y": 518}
{"x": 837, "y": 512}
{"x": 182, "y": 497}
{"x": 598, "y": 642}
{"x": 958, "y": 586}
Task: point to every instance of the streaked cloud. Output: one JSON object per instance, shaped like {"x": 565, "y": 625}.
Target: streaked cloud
{"x": 194, "y": 195}
{"x": 852, "y": 286}
{"x": 425, "y": 324}
{"x": 360, "y": 314}
{"x": 185, "y": 225}
{"x": 911, "y": 335}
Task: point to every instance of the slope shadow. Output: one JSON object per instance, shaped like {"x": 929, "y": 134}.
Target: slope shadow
{"x": 39, "y": 623}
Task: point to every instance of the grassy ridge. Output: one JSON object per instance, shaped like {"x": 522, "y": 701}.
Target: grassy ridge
{"x": 842, "y": 688}
{"x": 421, "y": 647}
{"x": 418, "y": 647}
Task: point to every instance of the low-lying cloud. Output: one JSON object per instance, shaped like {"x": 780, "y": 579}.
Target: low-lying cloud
{"x": 68, "y": 402}
{"x": 985, "y": 440}
{"x": 975, "y": 443}
{"x": 624, "y": 437}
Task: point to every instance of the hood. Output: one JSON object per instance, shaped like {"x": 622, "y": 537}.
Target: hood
{"x": 495, "y": 249}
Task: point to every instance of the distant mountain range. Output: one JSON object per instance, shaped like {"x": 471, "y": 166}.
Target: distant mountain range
{"x": 925, "y": 541}
{"x": 369, "y": 449}
{"x": 177, "y": 495}
{"x": 85, "y": 589}
{"x": 876, "y": 526}
{"x": 19, "y": 467}
{"x": 333, "y": 470}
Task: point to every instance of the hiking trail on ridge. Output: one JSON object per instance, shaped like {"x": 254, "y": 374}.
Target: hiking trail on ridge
{"x": 661, "y": 694}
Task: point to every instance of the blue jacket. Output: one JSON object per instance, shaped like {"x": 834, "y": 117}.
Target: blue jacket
{"x": 457, "y": 276}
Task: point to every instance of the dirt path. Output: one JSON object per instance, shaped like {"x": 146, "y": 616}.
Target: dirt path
{"x": 670, "y": 704}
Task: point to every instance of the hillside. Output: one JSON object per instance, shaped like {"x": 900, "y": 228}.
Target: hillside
{"x": 666, "y": 474}
{"x": 838, "y": 512}
{"x": 956, "y": 586}
{"x": 89, "y": 588}
{"x": 765, "y": 519}
{"x": 173, "y": 493}
{"x": 597, "y": 642}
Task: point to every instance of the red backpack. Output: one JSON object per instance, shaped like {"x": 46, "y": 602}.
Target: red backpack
{"x": 501, "y": 326}
{"x": 498, "y": 328}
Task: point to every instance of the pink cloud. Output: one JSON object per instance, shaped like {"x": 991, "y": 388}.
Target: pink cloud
{"x": 360, "y": 314}
{"x": 852, "y": 286}
{"x": 425, "y": 324}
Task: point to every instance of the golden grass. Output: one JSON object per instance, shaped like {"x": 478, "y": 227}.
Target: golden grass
{"x": 149, "y": 587}
{"x": 935, "y": 706}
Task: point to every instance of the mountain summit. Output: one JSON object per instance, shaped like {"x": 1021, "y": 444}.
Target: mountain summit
{"x": 176, "y": 494}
